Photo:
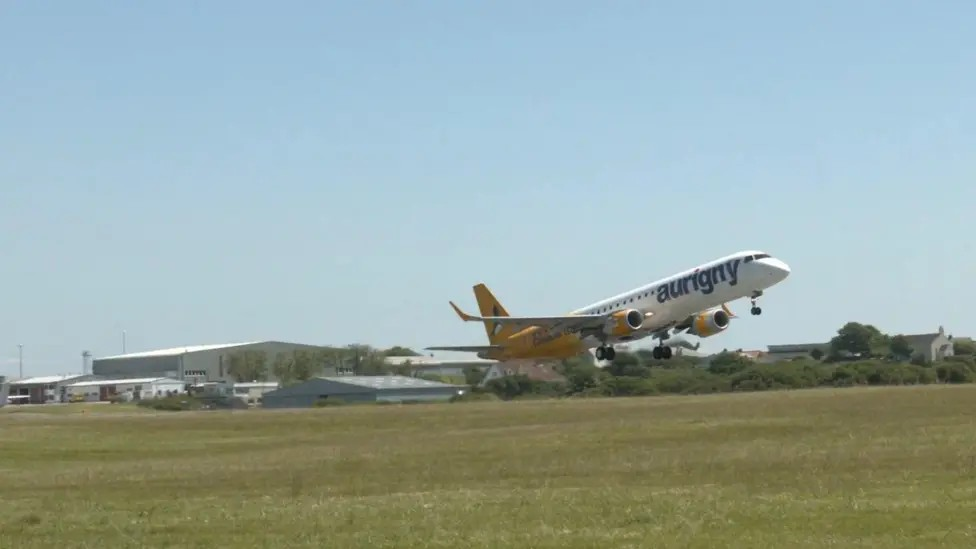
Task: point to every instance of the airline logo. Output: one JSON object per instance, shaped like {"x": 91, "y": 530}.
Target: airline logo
{"x": 701, "y": 281}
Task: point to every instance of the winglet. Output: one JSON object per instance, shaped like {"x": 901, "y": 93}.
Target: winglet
{"x": 464, "y": 316}
{"x": 728, "y": 311}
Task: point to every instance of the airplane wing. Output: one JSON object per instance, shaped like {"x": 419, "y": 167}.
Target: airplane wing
{"x": 561, "y": 323}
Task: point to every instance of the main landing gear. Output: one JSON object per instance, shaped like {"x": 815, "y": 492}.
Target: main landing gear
{"x": 662, "y": 352}
{"x": 756, "y": 309}
{"x": 606, "y": 352}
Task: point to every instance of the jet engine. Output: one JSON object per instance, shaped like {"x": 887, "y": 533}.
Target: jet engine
{"x": 711, "y": 322}
{"x": 624, "y": 323}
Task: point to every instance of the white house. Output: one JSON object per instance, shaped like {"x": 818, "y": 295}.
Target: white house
{"x": 128, "y": 389}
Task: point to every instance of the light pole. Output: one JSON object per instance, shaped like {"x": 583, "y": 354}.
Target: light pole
{"x": 123, "y": 342}
{"x": 20, "y": 359}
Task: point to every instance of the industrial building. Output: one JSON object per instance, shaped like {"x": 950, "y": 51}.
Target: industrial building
{"x": 425, "y": 365}
{"x": 42, "y": 389}
{"x": 194, "y": 364}
{"x": 360, "y": 389}
{"x": 101, "y": 390}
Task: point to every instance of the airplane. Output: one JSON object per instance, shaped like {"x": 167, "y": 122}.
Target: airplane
{"x": 693, "y": 301}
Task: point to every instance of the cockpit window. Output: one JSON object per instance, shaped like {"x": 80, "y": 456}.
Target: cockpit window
{"x": 760, "y": 256}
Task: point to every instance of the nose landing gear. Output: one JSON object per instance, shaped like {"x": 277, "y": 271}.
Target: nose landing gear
{"x": 756, "y": 309}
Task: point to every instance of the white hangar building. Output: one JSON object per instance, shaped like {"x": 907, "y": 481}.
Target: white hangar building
{"x": 195, "y": 363}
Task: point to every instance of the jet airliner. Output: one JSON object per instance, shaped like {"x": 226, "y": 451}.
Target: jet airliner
{"x": 693, "y": 302}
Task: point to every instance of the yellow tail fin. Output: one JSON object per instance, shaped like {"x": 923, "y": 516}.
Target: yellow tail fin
{"x": 488, "y": 305}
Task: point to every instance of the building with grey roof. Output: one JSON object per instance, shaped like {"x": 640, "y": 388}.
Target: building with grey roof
{"x": 931, "y": 347}
{"x": 197, "y": 363}
{"x": 776, "y": 353}
{"x": 426, "y": 365}
{"x": 360, "y": 389}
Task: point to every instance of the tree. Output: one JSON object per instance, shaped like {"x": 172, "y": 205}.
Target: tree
{"x": 816, "y": 354}
{"x": 303, "y": 365}
{"x": 366, "y": 360}
{"x": 963, "y": 347}
{"x": 900, "y": 347}
{"x": 397, "y": 350}
{"x": 282, "y": 368}
{"x": 862, "y": 340}
{"x": 248, "y": 366}
{"x": 627, "y": 364}
{"x": 581, "y": 374}
{"x": 726, "y": 363}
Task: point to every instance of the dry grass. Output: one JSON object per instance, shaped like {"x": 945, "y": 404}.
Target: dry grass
{"x": 887, "y": 467}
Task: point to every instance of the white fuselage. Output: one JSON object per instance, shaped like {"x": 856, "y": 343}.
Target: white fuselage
{"x": 673, "y": 299}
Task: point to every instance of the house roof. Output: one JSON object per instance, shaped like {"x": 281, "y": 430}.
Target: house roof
{"x": 796, "y": 347}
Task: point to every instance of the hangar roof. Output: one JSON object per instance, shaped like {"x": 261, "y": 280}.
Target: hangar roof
{"x": 388, "y": 382}
{"x": 176, "y": 351}
{"x": 130, "y": 381}
{"x": 45, "y": 380}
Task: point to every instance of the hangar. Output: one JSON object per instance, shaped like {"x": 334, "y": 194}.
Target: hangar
{"x": 360, "y": 389}
{"x": 195, "y": 363}
{"x": 42, "y": 389}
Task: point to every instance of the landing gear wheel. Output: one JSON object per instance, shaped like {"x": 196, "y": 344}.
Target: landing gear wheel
{"x": 666, "y": 352}
{"x": 606, "y": 352}
{"x": 661, "y": 353}
{"x": 756, "y": 311}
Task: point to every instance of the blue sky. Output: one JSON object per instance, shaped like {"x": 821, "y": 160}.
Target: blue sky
{"x": 335, "y": 172}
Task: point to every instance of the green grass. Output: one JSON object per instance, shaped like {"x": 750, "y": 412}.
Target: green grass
{"x": 881, "y": 467}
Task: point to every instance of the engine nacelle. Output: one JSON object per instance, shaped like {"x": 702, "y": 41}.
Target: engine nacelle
{"x": 624, "y": 323}
{"x": 711, "y": 322}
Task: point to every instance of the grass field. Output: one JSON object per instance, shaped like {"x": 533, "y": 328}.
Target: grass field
{"x": 883, "y": 467}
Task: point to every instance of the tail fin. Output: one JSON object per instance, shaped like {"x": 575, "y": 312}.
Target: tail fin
{"x": 488, "y": 305}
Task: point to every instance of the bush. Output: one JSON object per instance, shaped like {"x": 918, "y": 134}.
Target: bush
{"x": 475, "y": 396}
{"x": 174, "y": 403}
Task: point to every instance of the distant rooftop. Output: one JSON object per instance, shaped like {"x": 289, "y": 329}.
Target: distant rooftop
{"x": 43, "y": 380}
{"x": 137, "y": 381}
{"x": 431, "y": 361}
{"x": 176, "y": 351}
{"x": 388, "y": 382}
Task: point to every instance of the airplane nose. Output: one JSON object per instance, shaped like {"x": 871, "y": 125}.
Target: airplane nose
{"x": 779, "y": 265}
{"x": 779, "y": 270}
